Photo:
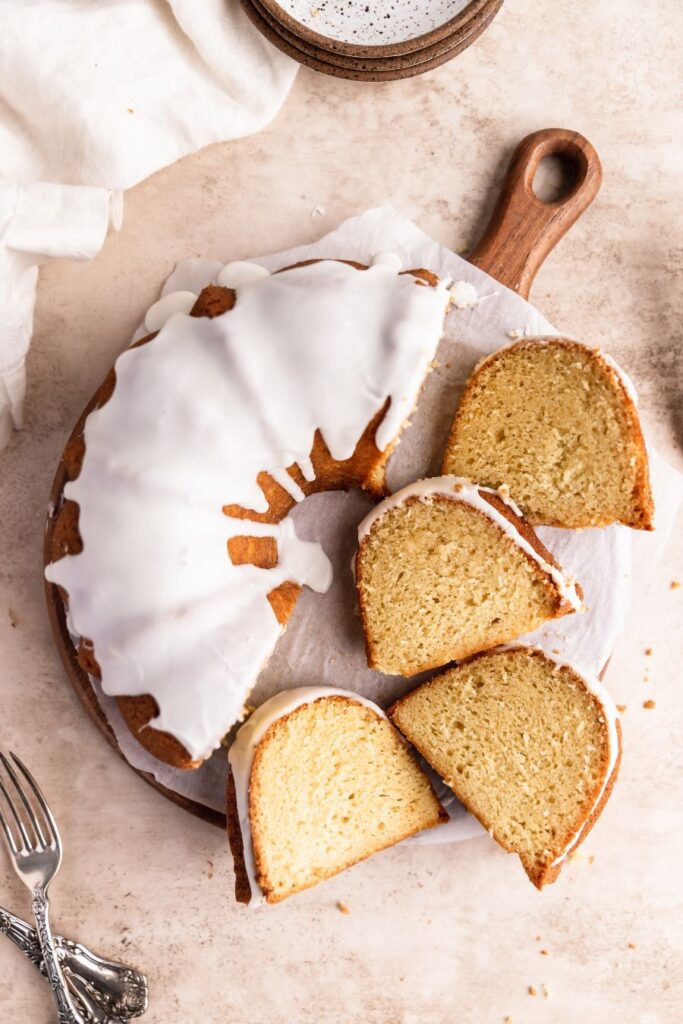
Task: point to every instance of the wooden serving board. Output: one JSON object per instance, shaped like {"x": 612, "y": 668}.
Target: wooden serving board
{"x": 520, "y": 234}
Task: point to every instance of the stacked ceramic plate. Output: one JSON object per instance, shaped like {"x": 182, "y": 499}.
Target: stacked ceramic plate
{"x": 372, "y": 41}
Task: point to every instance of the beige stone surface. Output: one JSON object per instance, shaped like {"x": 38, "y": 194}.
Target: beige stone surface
{"x": 435, "y": 935}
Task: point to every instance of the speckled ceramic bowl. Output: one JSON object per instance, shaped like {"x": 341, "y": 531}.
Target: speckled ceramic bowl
{"x": 447, "y": 47}
{"x": 363, "y": 28}
{"x": 386, "y": 68}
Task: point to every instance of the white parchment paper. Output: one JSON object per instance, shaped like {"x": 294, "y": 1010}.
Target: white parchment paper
{"x": 323, "y": 643}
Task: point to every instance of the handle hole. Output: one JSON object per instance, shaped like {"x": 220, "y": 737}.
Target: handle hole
{"x": 555, "y": 178}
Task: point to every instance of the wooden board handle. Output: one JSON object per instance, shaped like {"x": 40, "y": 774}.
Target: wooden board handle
{"x": 523, "y": 229}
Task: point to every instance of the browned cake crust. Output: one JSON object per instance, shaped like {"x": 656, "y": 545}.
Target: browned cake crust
{"x": 547, "y": 874}
{"x": 561, "y": 605}
{"x": 364, "y": 469}
{"x": 643, "y": 502}
{"x": 236, "y": 839}
{"x": 525, "y": 530}
{"x": 550, "y": 873}
{"x": 242, "y": 887}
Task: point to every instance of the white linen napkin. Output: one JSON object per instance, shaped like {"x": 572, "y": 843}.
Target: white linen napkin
{"x": 94, "y": 97}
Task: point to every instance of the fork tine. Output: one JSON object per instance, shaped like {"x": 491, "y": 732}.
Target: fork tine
{"x": 8, "y": 834}
{"x": 40, "y": 798}
{"x": 15, "y": 814}
{"x": 35, "y": 824}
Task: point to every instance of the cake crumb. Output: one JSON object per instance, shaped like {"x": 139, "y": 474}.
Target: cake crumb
{"x": 342, "y": 907}
{"x": 621, "y": 708}
{"x": 674, "y": 585}
{"x": 315, "y": 12}
{"x": 532, "y": 990}
{"x": 591, "y": 859}
{"x": 209, "y": 873}
{"x": 648, "y": 652}
{"x": 649, "y": 704}
{"x": 543, "y": 952}
{"x": 13, "y": 620}
{"x": 508, "y": 1020}
{"x": 631, "y": 945}
{"x": 130, "y": 110}
{"x": 547, "y": 994}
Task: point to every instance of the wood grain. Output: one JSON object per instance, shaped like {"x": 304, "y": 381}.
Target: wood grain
{"x": 523, "y": 229}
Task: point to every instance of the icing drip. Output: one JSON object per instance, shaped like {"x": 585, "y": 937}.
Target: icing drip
{"x": 306, "y": 467}
{"x": 464, "y": 295}
{"x": 242, "y": 751}
{"x": 195, "y": 416}
{"x": 389, "y": 260}
{"x": 282, "y": 477}
{"x": 240, "y": 274}
{"x": 459, "y": 489}
{"x": 175, "y": 302}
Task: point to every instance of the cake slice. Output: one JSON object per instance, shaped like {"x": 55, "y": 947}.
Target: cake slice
{"x": 445, "y": 569}
{"x": 530, "y": 746}
{"x": 320, "y": 779}
{"x": 556, "y": 422}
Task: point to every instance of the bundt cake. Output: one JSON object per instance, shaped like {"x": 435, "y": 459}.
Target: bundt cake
{"x": 556, "y": 422}
{"x": 320, "y": 780}
{"x": 170, "y": 542}
{"x": 530, "y": 746}
{"x": 444, "y": 569}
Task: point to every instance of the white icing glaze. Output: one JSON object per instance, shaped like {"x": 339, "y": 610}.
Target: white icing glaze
{"x": 306, "y": 467}
{"x": 242, "y": 751}
{"x": 608, "y": 706}
{"x": 288, "y": 483}
{"x": 458, "y": 489}
{"x": 389, "y": 260}
{"x": 195, "y": 416}
{"x": 240, "y": 274}
{"x": 162, "y": 311}
{"x": 464, "y": 295}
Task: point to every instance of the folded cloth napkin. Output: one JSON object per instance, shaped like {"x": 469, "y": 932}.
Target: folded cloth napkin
{"x": 94, "y": 97}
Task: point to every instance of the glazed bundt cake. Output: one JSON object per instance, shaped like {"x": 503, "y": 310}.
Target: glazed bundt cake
{"x": 556, "y": 422}
{"x": 320, "y": 780}
{"x": 170, "y": 544}
{"x": 445, "y": 569}
{"x": 528, "y": 744}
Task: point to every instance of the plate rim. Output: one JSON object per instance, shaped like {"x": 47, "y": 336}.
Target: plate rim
{"x": 372, "y": 64}
{"x": 322, "y": 66}
{"x": 458, "y": 23}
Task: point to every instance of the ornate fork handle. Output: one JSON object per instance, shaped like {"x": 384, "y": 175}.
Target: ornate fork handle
{"x": 106, "y": 991}
{"x": 66, "y": 1010}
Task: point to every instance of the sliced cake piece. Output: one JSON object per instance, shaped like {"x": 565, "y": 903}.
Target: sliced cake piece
{"x": 528, "y": 744}
{"x": 320, "y": 779}
{"x": 556, "y": 422}
{"x": 445, "y": 569}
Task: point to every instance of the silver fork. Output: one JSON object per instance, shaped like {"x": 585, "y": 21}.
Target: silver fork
{"x": 36, "y": 850}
